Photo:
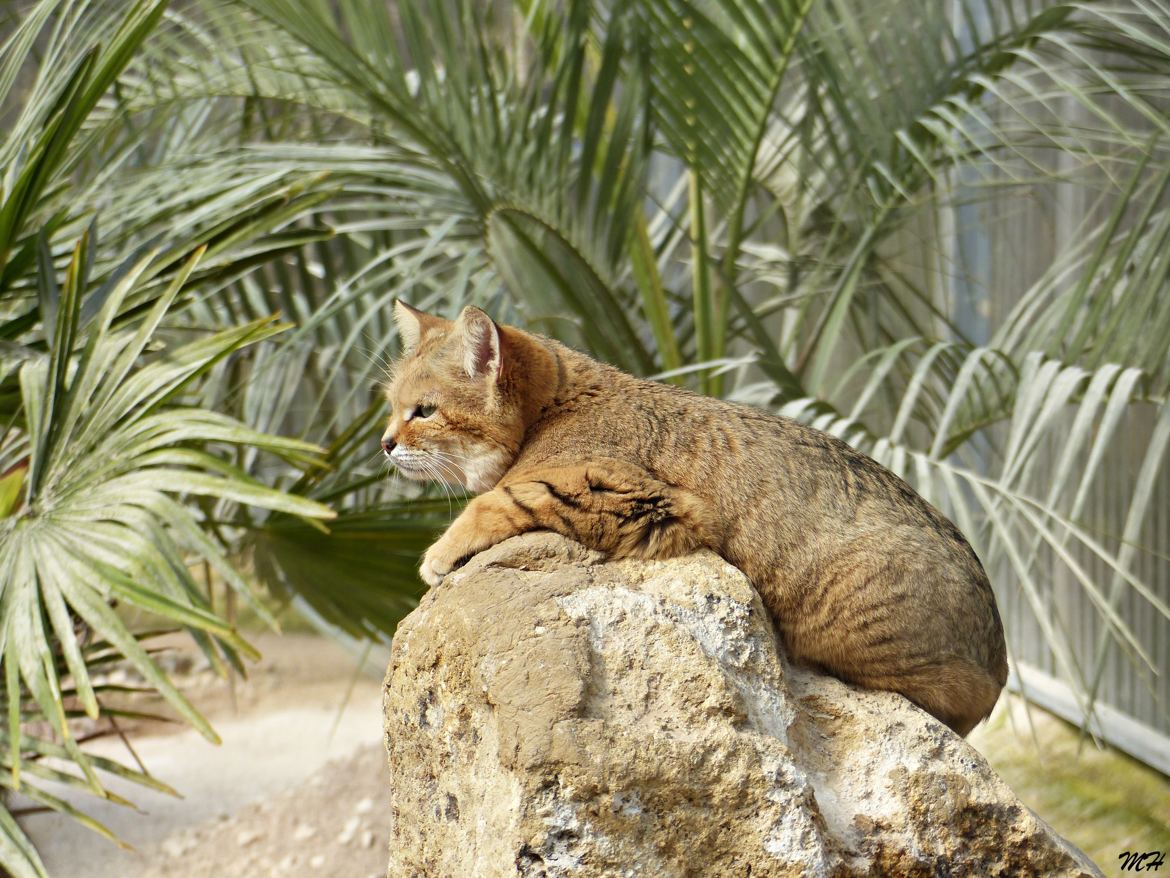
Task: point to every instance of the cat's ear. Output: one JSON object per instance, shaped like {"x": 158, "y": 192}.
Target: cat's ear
{"x": 413, "y": 324}
{"x": 481, "y": 343}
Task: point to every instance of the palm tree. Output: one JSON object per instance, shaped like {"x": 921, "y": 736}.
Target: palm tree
{"x": 734, "y": 194}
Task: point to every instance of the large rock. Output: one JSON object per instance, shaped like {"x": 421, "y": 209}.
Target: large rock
{"x": 550, "y": 714}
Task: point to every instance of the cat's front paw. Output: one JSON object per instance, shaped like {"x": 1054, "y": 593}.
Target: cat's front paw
{"x": 440, "y": 559}
{"x": 431, "y": 576}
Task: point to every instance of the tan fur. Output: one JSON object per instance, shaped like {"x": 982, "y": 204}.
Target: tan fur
{"x": 862, "y": 576}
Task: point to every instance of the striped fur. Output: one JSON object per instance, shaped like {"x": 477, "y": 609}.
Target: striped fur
{"x": 862, "y": 576}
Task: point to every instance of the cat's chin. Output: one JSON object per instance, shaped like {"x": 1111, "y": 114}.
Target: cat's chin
{"x": 420, "y": 476}
{"x": 482, "y": 474}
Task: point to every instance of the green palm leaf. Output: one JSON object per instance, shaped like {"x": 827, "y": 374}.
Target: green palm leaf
{"x": 361, "y": 575}
{"x": 97, "y": 524}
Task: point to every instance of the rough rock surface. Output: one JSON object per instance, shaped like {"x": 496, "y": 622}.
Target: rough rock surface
{"x": 551, "y": 714}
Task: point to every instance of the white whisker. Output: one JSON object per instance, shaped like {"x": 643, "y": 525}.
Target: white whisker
{"x": 451, "y": 455}
{"x": 429, "y": 468}
{"x": 450, "y": 468}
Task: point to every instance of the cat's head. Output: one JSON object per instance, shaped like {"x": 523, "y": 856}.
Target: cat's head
{"x": 452, "y": 419}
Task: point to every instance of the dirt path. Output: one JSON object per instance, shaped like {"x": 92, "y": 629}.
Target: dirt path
{"x": 332, "y": 825}
{"x": 268, "y": 801}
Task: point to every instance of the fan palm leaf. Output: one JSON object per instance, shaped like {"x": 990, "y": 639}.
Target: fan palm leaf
{"x": 95, "y": 522}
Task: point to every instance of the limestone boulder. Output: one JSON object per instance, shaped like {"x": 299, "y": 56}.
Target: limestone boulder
{"x": 549, "y": 713}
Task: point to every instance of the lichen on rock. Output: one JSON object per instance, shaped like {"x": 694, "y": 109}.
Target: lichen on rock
{"x": 550, "y": 713}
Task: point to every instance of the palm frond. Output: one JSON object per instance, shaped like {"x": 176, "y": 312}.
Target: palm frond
{"x": 361, "y": 575}
{"x": 95, "y": 523}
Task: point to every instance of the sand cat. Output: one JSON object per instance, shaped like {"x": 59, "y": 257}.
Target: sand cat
{"x": 863, "y": 577}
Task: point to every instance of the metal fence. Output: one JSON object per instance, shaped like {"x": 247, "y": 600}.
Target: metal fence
{"x": 1000, "y": 249}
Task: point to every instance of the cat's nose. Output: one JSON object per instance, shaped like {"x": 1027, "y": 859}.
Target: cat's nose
{"x": 388, "y": 445}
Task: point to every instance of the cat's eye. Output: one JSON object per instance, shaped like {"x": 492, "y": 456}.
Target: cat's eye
{"x": 424, "y": 411}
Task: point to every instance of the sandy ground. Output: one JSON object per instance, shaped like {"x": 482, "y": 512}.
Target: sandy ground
{"x": 297, "y": 788}
{"x": 331, "y": 825}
